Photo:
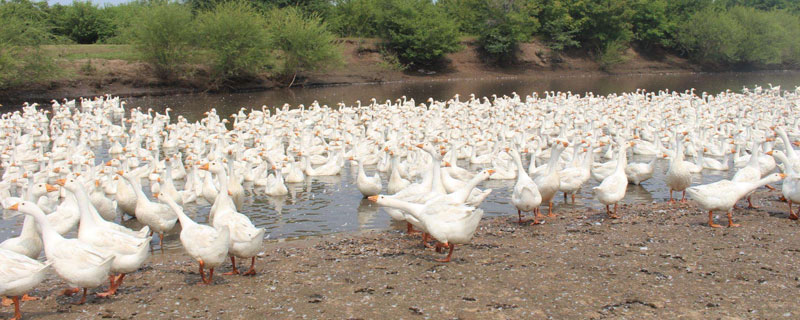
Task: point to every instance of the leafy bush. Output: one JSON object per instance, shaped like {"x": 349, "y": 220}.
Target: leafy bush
{"x": 122, "y": 18}
{"x": 355, "y": 18}
{"x": 304, "y": 42}
{"x": 507, "y": 24}
{"x": 236, "y": 37}
{"x": 651, "y": 27}
{"x": 418, "y": 31}
{"x": 24, "y": 29}
{"x": 162, "y": 33}
{"x": 741, "y": 35}
{"x": 469, "y": 14}
{"x": 558, "y": 27}
{"x": 83, "y": 22}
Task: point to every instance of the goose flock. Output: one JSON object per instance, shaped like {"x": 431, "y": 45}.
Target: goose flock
{"x": 549, "y": 145}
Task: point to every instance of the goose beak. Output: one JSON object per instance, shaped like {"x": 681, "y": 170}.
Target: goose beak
{"x": 783, "y": 176}
{"x": 373, "y": 198}
{"x": 50, "y": 188}
{"x": 204, "y": 167}
{"x": 119, "y": 172}
{"x": 447, "y": 164}
{"x": 770, "y": 152}
{"x": 230, "y": 193}
{"x": 155, "y": 195}
{"x": 491, "y": 171}
{"x": 96, "y": 183}
{"x": 14, "y": 207}
{"x": 419, "y": 146}
{"x": 61, "y": 182}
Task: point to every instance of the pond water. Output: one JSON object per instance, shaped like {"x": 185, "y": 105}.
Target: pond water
{"x": 323, "y": 205}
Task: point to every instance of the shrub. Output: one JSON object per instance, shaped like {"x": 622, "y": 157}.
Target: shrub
{"x": 468, "y": 14}
{"x": 162, "y": 33}
{"x": 558, "y": 27}
{"x": 355, "y": 18}
{"x": 83, "y": 22}
{"x": 122, "y": 18}
{"x": 236, "y": 38}
{"x": 507, "y": 24}
{"x": 418, "y": 31}
{"x": 304, "y": 42}
{"x": 24, "y": 28}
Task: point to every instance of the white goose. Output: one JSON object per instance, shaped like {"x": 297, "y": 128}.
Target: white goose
{"x": 275, "y": 185}
{"x": 678, "y": 176}
{"x": 526, "y": 197}
{"x": 207, "y": 245}
{"x": 159, "y": 217}
{"x": 549, "y": 182}
{"x": 129, "y": 252}
{"x": 613, "y": 188}
{"x": 246, "y": 239}
{"x": 723, "y": 195}
{"x": 448, "y": 223}
{"x": 18, "y": 275}
{"x": 369, "y": 186}
{"x": 78, "y": 263}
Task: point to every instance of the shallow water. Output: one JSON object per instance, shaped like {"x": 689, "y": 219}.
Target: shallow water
{"x": 325, "y": 205}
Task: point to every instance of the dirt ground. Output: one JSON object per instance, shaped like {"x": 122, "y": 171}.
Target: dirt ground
{"x": 363, "y": 63}
{"x": 657, "y": 261}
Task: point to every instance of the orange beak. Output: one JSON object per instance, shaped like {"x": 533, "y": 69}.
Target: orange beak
{"x": 50, "y": 188}
{"x": 783, "y": 176}
{"x": 96, "y": 183}
{"x": 373, "y": 198}
{"x": 14, "y": 207}
{"x": 119, "y": 172}
{"x": 419, "y": 146}
{"x": 491, "y": 171}
{"x": 770, "y": 152}
{"x": 204, "y": 167}
{"x": 447, "y": 164}
{"x": 61, "y": 182}
{"x": 155, "y": 195}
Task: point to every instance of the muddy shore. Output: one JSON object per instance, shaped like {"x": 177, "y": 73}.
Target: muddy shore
{"x": 363, "y": 63}
{"x": 657, "y": 261}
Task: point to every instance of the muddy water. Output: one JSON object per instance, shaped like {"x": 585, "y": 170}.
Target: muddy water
{"x": 323, "y": 205}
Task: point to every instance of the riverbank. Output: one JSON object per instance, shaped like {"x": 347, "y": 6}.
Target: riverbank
{"x": 657, "y": 261}
{"x": 91, "y": 70}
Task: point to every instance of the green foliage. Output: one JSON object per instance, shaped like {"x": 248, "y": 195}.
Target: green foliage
{"x": 651, "y": 27}
{"x": 162, "y": 34}
{"x": 558, "y": 26}
{"x": 82, "y": 22}
{"x": 24, "y": 29}
{"x": 236, "y": 37}
{"x": 507, "y": 23}
{"x": 612, "y": 54}
{"x": 741, "y": 35}
{"x": 419, "y": 32}
{"x": 469, "y": 14}
{"x": 355, "y": 18}
{"x": 304, "y": 41}
{"x": 602, "y": 22}
{"x": 122, "y": 17}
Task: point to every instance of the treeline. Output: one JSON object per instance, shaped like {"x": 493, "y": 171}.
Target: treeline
{"x": 241, "y": 38}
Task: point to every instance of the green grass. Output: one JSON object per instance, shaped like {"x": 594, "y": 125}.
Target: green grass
{"x": 73, "y": 52}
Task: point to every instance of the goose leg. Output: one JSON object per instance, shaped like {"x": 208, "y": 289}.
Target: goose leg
{"x": 683, "y": 198}
{"x": 26, "y": 297}
{"x": 573, "y": 198}
{"x": 202, "y": 274}
{"x": 750, "y": 203}
{"x": 252, "y": 270}
{"x": 210, "y": 276}
{"x": 711, "y": 220}
{"x": 613, "y": 215}
{"x": 410, "y": 228}
{"x": 671, "y": 199}
{"x": 792, "y": 215}
{"x": 70, "y": 292}
{"x": 519, "y": 214}
{"x": 565, "y": 197}
{"x": 112, "y": 288}
{"x": 449, "y": 254}
{"x": 425, "y": 238}
{"x": 539, "y": 214}
{"x": 550, "y": 210}
{"x": 161, "y": 241}
{"x": 730, "y": 220}
{"x": 536, "y": 217}
{"x": 234, "y": 271}
{"x": 771, "y": 187}
{"x": 83, "y": 299}
{"x": 17, "y": 313}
